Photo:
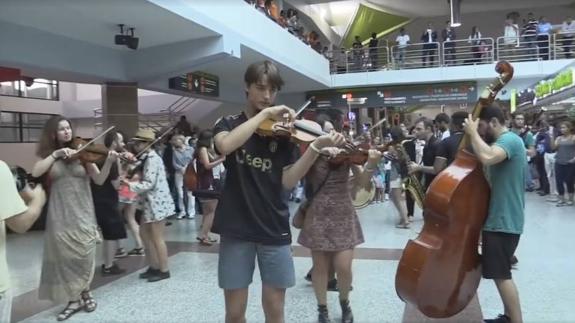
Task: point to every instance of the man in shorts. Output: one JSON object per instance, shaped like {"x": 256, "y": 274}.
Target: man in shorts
{"x": 502, "y": 152}
{"x": 252, "y": 216}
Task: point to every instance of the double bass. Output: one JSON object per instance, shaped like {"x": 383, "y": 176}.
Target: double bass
{"x": 440, "y": 270}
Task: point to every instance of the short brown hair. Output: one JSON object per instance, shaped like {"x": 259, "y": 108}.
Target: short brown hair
{"x": 49, "y": 142}
{"x": 256, "y": 71}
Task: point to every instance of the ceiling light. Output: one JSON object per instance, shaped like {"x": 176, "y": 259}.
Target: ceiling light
{"x": 455, "y": 9}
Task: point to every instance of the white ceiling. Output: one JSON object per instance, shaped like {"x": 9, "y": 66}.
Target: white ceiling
{"x": 95, "y": 21}
{"x": 432, "y": 8}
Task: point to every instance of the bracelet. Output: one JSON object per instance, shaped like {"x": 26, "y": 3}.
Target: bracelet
{"x": 314, "y": 148}
{"x": 52, "y": 155}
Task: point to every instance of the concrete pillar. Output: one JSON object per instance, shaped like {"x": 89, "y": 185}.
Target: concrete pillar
{"x": 120, "y": 107}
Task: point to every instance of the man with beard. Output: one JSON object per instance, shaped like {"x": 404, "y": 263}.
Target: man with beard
{"x": 503, "y": 154}
{"x": 424, "y": 131}
{"x": 442, "y": 123}
{"x": 529, "y": 142}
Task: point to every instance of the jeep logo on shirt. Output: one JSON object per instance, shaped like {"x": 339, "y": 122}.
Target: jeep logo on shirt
{"x": 263, "y": 164}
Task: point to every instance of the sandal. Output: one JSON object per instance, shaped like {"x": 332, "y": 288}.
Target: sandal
{"x": 204, "y": 241}
{"x": 69, "y": 311}
{"x": 89, "y": 302}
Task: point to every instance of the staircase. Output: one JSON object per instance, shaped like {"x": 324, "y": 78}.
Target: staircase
{"x": 155, "y": 121}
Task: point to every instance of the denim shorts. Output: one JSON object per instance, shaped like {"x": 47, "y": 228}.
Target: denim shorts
{"x": 237, "y": 260}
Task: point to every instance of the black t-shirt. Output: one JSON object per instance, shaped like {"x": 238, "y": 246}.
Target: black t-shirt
{"x": 448, "y": 147}
{"x": 105, "y": 195}
{"x": 253, "y": 204}
{"x": 428, "y": 158}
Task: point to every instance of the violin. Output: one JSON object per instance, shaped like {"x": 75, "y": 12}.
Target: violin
{"x": 300, "y": 131}
{"x": 89, "y": 152}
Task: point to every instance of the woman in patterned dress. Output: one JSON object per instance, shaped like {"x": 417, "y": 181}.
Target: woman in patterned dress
{"x": 71, "y": 230}
{"x": 156, "y": 203}
{"x": 331, "y": 227}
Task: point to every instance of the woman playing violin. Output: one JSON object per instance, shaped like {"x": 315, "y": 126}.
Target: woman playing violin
{"x": 71, "y": 229}
{"x": 331, "y": 228}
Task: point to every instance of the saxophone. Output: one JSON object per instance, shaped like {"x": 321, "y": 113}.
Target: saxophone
{"x": 410, "y": 182}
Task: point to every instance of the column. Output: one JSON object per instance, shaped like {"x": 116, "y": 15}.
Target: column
{"x": 120, "y": 107}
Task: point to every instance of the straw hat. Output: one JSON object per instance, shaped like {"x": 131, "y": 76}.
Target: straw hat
{"x": 145, "y": 135}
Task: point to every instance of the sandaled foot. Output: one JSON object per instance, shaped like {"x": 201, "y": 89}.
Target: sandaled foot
{"x": 89, "y": 302}
{"x": 204, "y": 241}
{"x": 71, "y": 309}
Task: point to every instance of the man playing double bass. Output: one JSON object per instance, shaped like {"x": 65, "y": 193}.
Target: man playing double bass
{"x": 503, "y": 154}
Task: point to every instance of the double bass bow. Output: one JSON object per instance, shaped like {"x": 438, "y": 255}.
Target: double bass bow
{"x": 440, "y": 270}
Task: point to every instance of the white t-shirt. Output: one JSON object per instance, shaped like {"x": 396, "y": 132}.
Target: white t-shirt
{"x": 402, "y": 40}
{"x": 510, "y": 34}
{"x": 11, "y": 204}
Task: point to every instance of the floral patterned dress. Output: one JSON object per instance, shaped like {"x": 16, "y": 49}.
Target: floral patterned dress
{"x": 331, "y": 223}
{"x": 155, "y": 198}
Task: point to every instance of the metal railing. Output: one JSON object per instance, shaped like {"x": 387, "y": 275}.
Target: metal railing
{"x": 468, "y": 52}
{"x": 419, "y": 55}
{"x": 359, "y": 60}
{"x": 563, "y": 46}
{"x": 156, "y": 121}
{"x": 522, "y": 49}
{"x": 454, "y": 53}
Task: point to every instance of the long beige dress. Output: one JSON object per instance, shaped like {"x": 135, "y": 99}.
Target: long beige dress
{"x": 71, "y": 234}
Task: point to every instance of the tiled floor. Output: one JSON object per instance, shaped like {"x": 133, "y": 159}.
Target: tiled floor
{"x": 544, "y": 277}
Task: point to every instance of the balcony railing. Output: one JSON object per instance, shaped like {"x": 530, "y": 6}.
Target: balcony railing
{"x": 454, "y": 53}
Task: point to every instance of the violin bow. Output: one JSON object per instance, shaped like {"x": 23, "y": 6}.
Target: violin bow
{"x": 94, "y": 139}
{"x": 304, "y": 106}
{"x": 379, "y": 123}
{"x": 155, "y": 141}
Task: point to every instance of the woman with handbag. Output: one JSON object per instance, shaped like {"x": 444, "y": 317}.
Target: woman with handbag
{"x": 331, "y": 228}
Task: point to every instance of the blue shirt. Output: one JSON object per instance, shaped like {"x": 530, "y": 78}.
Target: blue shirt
{"x": 544, "y": 28}
{"x": 182, "y": 158}
{"x": 507, "y": 179}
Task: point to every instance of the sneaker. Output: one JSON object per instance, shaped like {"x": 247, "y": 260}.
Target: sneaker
{"x": 181, "y": 216}
{"x": 191, "y": 216}
{"x": 120, "y": 253}
{"x": 149, "y": 273}
{"x": 501, "y": 318}
{"x": 110, "y": 271}
{"x": 159, "y": 276}
{"x": 553, "y": 199}
{"x": 136, "y": 252}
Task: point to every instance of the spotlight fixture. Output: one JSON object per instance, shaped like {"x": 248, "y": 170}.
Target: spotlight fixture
{"x": 128, "y": 40}
{"x": 133, "y": 41}
{"x": 455, "y": 9}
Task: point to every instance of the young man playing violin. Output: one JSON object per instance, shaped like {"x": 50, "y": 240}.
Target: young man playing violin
{"x": 252, "y": 216}
{"x": 503, "y": 154}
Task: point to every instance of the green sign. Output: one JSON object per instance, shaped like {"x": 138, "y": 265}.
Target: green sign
{"x": 556, "y": 84}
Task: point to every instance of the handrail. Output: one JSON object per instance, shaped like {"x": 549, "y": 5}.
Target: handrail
{"x": 416, "y": 55}
{"x": 563, "y": 43}
{"x": 517, "y": 49}
{"x": 359, "y": 60}
{"x": 468, "y": 52}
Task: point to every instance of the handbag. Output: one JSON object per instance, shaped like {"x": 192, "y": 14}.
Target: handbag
{"x": 299, "y": 215}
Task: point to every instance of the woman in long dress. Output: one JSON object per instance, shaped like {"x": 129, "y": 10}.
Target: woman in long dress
{"x": 71, "y": 230}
